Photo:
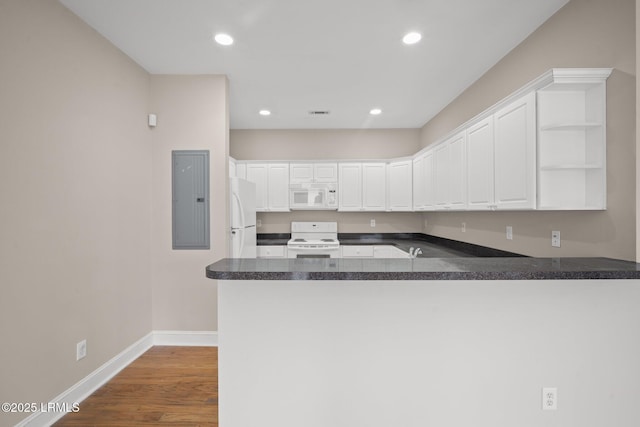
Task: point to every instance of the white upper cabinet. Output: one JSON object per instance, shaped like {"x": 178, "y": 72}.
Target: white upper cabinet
{"x": 515, "y": 154}
{"x": 501, "y": 158}
{"x": 258, "y": 173}
{"x": 418, "y": 183}
{"x": 350, "y": 187}
{"x": 543, "y": 147}
{"x": 572, "y": 141}
{"x": 278, "y": 187}
{"x": 313, "y": 172}
{"x": 450, "y": 173}
{"x": 374, "y": 186}
{"x": 480, "y": 166}
{"x": 300, "y": 172}
{"x": 325, "y": 172}
{"x": 399, "y": 185}
{"x": 428, "y": 172}
{"x": 272, "y": 185}
{"x": 362, "y": 186}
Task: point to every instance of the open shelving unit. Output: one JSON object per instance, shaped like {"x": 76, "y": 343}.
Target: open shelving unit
{"x": 571, "y": 154}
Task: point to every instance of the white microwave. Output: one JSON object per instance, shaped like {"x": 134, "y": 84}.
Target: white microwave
{"x": 314, "y": 196}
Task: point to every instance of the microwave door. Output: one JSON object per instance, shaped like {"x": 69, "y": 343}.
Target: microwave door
{"x": 301, "y": 198}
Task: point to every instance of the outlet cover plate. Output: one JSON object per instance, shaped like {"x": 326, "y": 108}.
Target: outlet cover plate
{"x": 81, "y": 350}
{"x": 549, "y": 398}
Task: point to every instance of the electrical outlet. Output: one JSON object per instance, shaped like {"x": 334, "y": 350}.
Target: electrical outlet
{"x": 81, "y": 350}
{"x": 373, "y": 222}
{"x": 464, "y": 227}
{"x": 509, "y": 232}
{"x": 555, "y": 239}
{"x": 549, "y": 399}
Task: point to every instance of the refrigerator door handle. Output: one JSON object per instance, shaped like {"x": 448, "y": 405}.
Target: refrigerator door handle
{"x": 241, "y": 209}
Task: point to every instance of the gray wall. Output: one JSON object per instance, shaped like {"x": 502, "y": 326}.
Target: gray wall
{"x": 585, "y": 33}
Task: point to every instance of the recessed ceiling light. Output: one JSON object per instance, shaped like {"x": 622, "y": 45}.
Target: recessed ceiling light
{"x": 375, "y": 111}
{"x": 412, "y": 38}
{"x": 264, "y": 112}
{"x": 223, "y": 39}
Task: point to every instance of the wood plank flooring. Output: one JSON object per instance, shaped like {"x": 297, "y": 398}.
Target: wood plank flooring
{"x": 166, "y": 386}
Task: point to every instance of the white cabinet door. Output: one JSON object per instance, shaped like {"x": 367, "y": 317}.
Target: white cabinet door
{"x": 458, "y": 165}
{"x": 400, "y": 188}
{"x": 450, "y": 173}
{"x": 350, "y": 187}
{"x": 428, "y": 171}
{"x": 357, "y": 251}
{"x": 480, "y": 165}
{"x": 515, "y": 156}
{"x": 313, "y": 172}
{"x": 301, "y": 173}
{"x": 278, "y": 187}
{"x": 258, "y": 174}
{"x": 441, "y": 176}
{"x": 418, "y": 183}
{"x": 374, "y": 184}
{"x": 271, "y": 252}
{"x": 325, "y": 172}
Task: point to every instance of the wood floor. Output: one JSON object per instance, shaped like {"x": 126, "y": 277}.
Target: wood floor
{"x": 166, "y": 386}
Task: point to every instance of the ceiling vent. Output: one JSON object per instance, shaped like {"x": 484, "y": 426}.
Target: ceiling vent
{"x": 318, "y": 112}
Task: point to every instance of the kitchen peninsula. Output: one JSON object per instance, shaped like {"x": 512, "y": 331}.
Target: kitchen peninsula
{"x": 427, "y": 341}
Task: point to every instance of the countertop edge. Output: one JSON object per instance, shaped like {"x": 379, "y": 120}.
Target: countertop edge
{"x": 220, "y": 274}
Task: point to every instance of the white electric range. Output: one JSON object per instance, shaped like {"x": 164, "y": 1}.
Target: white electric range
{"x": 314, "y": 240}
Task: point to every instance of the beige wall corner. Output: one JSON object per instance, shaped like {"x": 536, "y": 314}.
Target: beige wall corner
{"x": 594, "y": 33}
{"x": 192, "y": 114}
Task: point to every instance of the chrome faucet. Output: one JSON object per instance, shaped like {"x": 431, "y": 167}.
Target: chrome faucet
{"x": 414, "y": 252}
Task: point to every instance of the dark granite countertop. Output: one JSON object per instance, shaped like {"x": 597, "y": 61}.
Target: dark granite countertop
{"x": 431, "y": 246}
{"x": 467, "y": 268}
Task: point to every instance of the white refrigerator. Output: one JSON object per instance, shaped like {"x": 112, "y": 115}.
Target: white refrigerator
{"x": 243, "y": 218}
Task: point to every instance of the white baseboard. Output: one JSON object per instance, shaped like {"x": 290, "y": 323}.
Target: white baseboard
{"x": 85, "y": 387}
{"x": 186, "y": 338}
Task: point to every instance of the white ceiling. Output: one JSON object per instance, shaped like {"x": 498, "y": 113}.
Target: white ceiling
{"x": 345, "y": 56}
